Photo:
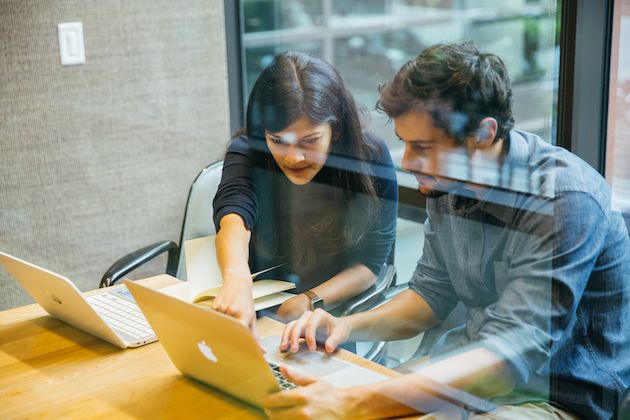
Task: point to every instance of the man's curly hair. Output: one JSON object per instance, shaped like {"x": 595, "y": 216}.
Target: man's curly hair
{"x": 457, "y": 84}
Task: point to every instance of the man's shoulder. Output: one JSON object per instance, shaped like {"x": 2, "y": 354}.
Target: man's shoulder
{"x": 555, "y": 171}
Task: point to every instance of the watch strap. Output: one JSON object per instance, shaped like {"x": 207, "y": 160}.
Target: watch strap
{"x": 315, "y": 300}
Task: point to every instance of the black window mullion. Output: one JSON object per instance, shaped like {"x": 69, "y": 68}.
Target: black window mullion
{"x": 583, "y": 110}
{"x": 235, "y": 62}
{"x": 568, "y": 16}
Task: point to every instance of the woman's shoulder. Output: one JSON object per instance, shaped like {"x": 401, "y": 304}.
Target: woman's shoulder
{"x": 378, "y": 150}
{"x": 239, "y": 144}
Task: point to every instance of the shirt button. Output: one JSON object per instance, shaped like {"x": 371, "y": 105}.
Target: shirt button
{"x": 476, "y": 236}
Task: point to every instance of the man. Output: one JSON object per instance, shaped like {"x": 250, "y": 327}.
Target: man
{"x": 519, "y": 231}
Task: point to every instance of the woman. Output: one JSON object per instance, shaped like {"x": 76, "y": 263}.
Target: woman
{"x": 304, "y": 186}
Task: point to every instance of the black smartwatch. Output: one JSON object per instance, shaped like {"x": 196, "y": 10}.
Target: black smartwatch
{"x": 316, "y": 301}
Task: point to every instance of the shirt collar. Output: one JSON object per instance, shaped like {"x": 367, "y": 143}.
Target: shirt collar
{"x": 501, "y": 201}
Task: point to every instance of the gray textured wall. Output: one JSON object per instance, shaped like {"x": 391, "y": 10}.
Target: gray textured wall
{"x": 96, "y": 159}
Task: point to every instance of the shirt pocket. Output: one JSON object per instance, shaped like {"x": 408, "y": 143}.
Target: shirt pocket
{"x": 500, "y": 276}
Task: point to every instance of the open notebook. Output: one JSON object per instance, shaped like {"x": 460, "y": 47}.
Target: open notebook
{"x": 205, "y": 280}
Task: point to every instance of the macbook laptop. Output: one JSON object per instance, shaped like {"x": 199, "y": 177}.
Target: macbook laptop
{"x": 219, "y": 351}
{"x": 111, "y": 315}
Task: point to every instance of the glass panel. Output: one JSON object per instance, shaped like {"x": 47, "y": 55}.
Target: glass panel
{"x": 368, "y": 41}
{"x": 618, "y": 144}
{"x": 259, "y": 57}
{"x": 273, "y": 15}
{"x": 501, "y": 252}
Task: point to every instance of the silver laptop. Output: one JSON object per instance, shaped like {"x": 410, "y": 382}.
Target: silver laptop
{"x": 111, "y": 315}
{"x": 219, "y": 351}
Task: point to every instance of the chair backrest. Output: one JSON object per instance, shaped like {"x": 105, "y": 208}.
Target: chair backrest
{"x": 198, "y": 216}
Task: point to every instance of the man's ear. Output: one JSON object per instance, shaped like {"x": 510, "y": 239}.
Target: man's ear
{"x": 486, "y": 133}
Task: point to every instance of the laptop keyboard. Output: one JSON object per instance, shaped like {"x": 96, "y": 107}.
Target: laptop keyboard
{"x": 282, "y": 380}
{"x": 121, "y": 314}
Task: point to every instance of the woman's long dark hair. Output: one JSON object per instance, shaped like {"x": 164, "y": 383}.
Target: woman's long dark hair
{"x": 297, "y": 85}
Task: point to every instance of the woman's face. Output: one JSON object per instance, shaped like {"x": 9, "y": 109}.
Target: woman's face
{"x": 301, "y": 149}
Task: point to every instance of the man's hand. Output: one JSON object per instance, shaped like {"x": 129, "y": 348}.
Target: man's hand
{"x": 313, "y": 326}
{"x": 292, "y": 309}
{"x": 315, "y": 399}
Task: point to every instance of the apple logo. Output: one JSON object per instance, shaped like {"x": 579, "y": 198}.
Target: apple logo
{"x": 206, "y": 350}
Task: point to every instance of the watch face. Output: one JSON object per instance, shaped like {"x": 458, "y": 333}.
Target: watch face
{"x": 317, "y": 303}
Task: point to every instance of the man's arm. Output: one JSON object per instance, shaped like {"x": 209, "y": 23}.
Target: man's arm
{"x": 432, "y": 389}
{"x": 404, "y": 316}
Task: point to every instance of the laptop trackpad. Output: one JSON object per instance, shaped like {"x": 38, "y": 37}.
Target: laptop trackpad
{"x": 319, "y": 364}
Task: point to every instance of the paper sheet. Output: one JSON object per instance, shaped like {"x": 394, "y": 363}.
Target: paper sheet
{"x": 202, "y": 267}
{"x": 260, "y": 288}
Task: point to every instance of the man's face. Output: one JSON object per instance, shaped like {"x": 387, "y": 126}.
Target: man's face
{"x": 427, "y": 147}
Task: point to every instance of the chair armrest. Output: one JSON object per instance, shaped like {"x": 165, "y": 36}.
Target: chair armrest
{"x": 377, "y": 352}
{"x": 384, "y": 297}
{"x": 137, "y": 258}
{"x": 362, "y": 300}
{"x": 392, "y": 292}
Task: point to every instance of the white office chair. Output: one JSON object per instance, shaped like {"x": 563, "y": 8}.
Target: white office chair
{"x": 197, "y": 223}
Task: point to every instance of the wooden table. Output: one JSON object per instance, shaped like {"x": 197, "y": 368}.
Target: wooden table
{"x": 50, "y": 369}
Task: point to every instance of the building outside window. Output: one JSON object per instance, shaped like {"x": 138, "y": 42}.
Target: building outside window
{"x": 369, "y": 40}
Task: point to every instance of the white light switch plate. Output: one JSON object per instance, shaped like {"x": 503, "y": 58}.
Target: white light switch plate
{"x": 71, "y": 45}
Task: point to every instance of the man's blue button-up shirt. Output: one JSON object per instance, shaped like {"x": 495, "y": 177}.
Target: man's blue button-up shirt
{"x": 543, "y": 270}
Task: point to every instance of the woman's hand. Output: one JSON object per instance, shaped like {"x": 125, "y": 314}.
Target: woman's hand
{"x": 291, "y": 309}
{"x": 235, "y": 299}
{"x": 312, "y": 326}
